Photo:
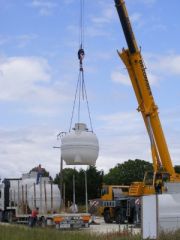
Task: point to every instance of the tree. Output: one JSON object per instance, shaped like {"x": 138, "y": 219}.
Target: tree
{"x": 177, "y": 168}
{"x": 68, "y": 181}
{"x": 127, "y": 172}
{"x": 94, "y": 183}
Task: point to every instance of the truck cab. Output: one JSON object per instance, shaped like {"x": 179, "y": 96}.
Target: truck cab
{"x": 116, "y": 205}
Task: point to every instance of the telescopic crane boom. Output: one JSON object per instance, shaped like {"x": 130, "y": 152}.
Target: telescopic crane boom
{"x": 133, "y": 61}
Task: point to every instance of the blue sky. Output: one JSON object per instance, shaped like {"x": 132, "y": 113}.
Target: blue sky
{"x": 39, "y": 40}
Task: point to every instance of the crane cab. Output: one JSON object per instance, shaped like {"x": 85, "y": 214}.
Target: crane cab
{"x": 153, "y": 183}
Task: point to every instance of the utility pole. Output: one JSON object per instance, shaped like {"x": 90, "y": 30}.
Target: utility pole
{"x": 86, "y": 192}
{"x": 61, "y": 175}
{"x": 74, "y": 193}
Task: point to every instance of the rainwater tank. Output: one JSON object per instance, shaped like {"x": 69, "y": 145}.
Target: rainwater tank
{"x": 80, "y": 146}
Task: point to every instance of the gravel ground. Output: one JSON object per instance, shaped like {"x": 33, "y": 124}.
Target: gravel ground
{"x": 102, "y": 228}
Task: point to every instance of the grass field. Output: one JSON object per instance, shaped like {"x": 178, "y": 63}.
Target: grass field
{"x": 26, "y": 233}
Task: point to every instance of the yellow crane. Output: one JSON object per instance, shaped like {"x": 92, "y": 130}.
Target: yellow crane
{"x": 132, "y": 58}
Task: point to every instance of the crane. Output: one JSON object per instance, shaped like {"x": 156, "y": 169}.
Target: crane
{"x": 133, "y": 60}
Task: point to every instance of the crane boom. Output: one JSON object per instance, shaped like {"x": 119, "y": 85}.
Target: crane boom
{"x": 133, "y": 61}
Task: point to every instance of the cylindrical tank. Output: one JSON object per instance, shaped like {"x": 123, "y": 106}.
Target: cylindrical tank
{"x": 18, "y": 188}
{"x": 25, "y": 192}
{"x": 49, "y": 194}
{"x": 80, "y": 146}
{"x": 169, "y": 212}
{"x": 169, "y": 205}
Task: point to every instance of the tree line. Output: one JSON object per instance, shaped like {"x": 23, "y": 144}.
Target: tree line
{"x": 122, "y": 174}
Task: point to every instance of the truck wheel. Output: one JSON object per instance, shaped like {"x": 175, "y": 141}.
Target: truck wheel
{"x": 107, "y": 216}
{"x": 10, "y": 217}
{"x": 1, "y": 216}
{"x": 119, "y": 217}
{"x": 42, "y": 222}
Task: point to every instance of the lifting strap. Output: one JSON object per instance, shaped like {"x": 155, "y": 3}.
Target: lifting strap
{"x": 80, "y": 92}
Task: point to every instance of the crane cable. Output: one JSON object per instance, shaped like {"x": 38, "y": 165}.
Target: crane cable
{"x": 80, "y": 87}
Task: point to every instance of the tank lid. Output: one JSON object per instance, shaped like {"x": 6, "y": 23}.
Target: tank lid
{"x": 80, "y": 127}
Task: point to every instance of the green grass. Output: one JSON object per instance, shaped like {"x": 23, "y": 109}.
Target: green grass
{"x": 170, "y": 235}
{"x": 25, "y": 233}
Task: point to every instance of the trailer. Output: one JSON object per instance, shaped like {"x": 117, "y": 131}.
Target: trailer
{"x": 19, "y": 196}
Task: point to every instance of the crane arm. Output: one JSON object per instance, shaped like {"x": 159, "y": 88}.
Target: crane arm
{"x": 133, "y": 61}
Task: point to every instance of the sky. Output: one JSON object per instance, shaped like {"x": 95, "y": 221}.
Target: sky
{"x": 39, "y": 40}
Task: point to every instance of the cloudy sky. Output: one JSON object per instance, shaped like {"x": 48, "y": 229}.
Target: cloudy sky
{"x": 39, "y": 40}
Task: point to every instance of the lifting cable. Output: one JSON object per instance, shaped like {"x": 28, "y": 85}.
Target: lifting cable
{"x": 81, "y": 92}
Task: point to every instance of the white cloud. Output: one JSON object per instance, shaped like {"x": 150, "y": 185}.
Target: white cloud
{"x": 135, "y": 17}
{"x": 94, "y": 31}
{"x": 122, "y": 78}
{"x": 168, "y": 64}
{"x": 159, "y": 27}
{"x": 19, "y": 41}
{"x": 3, "y": 40}
{"x": 147, "y": 2}
{"x": 123, "y": 136}
{"x": 98, "y": 21}
{"x": 153, "y": 78}
{"x": 107, "y": 16}
{"x": 158, "y": 68}
{"x": 45, "y": 7}
{"x": 20, "y": 75}
{"x": 119, "y": 77}
{"x": 28, "y": 81}
{"x": 24, "y": 148}
{"x": 25, "y": 39}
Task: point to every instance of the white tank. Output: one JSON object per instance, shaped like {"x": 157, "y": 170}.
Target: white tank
{"x": 50, "y": 202}
{"x": 23, "y": 189}
{"x": 169, "y": 205}
{"x": 169, "y": 212}
{"x": 21, "y": 186}
{"x": 80, "y": 147}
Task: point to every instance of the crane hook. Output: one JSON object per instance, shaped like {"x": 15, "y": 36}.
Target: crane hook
{"x": 81, "y": 55}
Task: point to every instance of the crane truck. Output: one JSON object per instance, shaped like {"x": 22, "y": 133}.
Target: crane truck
{"x": 162, "y": 163}
{"x": 163, "y": 178}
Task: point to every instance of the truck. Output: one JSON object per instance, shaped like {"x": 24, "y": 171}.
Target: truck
{"x": 19, "y": 196}
{"x": 163, "y": 179}
{"x": 117, "y": 206}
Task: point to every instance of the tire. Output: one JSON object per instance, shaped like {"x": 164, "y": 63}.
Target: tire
{"x": 10, "y": 217}
{"x": 29, "y": 222}
{"x": 119, "y": 218}
{"x": 107, "y": 216}
{"x": 42, "y": 222}
{"x": 1, "y": 216}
